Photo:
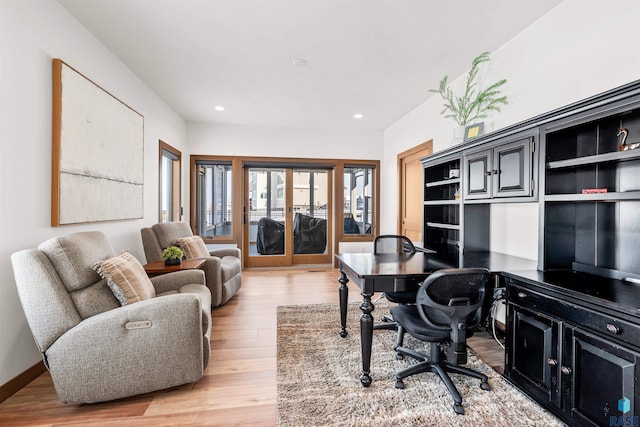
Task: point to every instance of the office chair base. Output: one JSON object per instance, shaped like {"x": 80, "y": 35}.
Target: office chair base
{"x": 387, "y": 326}
{"x": 441, "y": 368}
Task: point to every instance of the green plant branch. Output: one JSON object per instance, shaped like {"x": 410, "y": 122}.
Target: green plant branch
{"x": 473, "y": 104}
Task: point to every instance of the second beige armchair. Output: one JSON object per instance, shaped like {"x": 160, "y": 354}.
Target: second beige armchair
{"x": 223, "y": 268}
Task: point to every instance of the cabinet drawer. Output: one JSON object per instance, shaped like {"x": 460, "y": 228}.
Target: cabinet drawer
{"x": 605, "y": 325}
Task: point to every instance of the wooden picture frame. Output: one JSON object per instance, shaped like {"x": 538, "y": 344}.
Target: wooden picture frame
{"x": 97, "y": 153}
{"x": 473, "y": 131}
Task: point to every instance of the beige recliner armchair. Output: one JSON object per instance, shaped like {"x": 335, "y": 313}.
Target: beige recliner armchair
{"x": 95, "y": 348}
{"x": 223, "y": 269}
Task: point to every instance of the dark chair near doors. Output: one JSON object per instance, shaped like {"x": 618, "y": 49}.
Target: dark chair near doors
{"x": 309, "y": 234}
{"x": 448, "y": 308}
{"x": 350, "y": 225}
{"x": 394, "y": 243}
{"x": 270, "y": 239}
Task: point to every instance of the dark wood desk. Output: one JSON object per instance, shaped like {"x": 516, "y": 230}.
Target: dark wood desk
{"x": 400, "y": 272}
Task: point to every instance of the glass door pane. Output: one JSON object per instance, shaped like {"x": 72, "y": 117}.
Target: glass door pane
{"x": 310, "y": 207}
{"x": 266, "y": 214}
{"x": 215, "y": 200}
{"x": 358, "y": 200}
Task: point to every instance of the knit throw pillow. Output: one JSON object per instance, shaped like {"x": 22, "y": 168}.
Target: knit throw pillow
{"x": 126, "y": 278}
{"x": 193, "y": 247}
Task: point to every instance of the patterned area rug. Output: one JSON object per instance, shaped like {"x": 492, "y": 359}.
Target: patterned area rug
{"x": 318, "y": 380}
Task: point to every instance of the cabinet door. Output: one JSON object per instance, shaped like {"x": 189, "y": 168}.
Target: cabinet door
{"x": 532, "y": 361}
{"x": 477, "y": 168}
{"x": 511, "y": 175}
{"x": 600, "y": 374}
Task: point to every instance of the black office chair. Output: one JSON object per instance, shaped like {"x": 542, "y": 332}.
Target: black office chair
{"x": 447, "y": 310}
{"x": 394, "y": 243}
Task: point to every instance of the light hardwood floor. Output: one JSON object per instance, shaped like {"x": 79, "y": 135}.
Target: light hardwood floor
{"x": 239, "y": 387}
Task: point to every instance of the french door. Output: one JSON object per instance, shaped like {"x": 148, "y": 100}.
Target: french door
{"x": 287, "y": 216}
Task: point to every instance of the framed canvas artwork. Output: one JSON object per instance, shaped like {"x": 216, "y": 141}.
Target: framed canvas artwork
{"x": 97, "y": 152}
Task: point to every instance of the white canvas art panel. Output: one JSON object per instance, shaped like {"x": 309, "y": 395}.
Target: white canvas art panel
{"x": 98, "y": 158}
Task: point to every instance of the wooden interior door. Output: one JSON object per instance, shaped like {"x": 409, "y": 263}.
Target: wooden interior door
{"x": 410, "y": 192}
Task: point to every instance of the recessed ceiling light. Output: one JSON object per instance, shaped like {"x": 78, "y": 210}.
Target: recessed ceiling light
{"x": 358, "y": 116}
{"x": 218, "y": 108}
{"x": 300, "y": 62}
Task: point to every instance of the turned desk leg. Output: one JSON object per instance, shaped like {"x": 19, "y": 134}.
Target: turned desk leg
{"x": 366, "y": 338}
{"x": 343, "y": 292}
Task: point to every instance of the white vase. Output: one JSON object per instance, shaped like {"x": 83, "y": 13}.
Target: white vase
{"x": 458, "y": 135}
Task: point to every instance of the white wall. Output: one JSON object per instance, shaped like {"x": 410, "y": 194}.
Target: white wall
{"x": 579, "y": 49}
{"x": 262, "y": 141}
{"x": 32, "y": 33}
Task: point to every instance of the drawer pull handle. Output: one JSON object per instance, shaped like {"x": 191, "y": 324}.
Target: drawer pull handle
{"x": 613, "y": 328}
{"x": 552, "y": 362}
{"x": 522, "y": 295}
{"x": 565, "y": 370}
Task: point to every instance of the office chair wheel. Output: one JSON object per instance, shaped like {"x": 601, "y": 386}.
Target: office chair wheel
{"x": 399, "y": 383}
{"x": 386, "y": 318}
{"x": 458, "y": 409}
{"x": 485, "y": 386}
{"x": 399, "y": 356}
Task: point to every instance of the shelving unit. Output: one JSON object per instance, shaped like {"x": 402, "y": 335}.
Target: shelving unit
{"x": 573, "y": 326}
{"x": 442, "y": 201}
{"x": 592, "y": 194}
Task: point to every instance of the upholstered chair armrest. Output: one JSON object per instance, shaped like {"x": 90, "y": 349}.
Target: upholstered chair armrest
{"x": 225, "y": 252}
{"x": 151, "y": 245}
{"x": 124, "y": 350}
{"x": 174, "y": 281}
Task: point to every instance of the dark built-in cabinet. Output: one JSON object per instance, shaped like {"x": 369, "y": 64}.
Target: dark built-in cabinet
{"x": 575, "y": 354}
{"x": 500, "y": 171}
{"x": 573, "y": 325}
{"x": 574, "y": 332}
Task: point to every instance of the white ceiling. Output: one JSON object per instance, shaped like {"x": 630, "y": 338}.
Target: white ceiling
{"x": 374, "y": 57}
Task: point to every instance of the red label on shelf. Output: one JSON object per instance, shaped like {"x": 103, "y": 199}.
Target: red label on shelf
{"x": 593, "y": 190}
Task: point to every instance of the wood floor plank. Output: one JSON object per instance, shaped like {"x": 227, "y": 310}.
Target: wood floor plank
{"x": 239, "y": 387}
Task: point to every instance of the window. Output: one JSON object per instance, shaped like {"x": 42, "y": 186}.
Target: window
{"x": 358, "y": 203}
{"x": 169, "y": 188}
{"x": 229, "y": 194}
{"x": 215, "y": 199}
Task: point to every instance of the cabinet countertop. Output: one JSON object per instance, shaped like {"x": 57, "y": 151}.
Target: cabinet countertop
{"x": 623, "y": 297}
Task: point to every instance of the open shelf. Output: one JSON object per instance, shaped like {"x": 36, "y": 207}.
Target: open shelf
{"x": 619, "y": 175}
{"x": 616, "y": 156}
{"x": 443, "y": 225}
{"x": 449, "y": 181}
{"x": 441, "y": 202}
{"x": 602, "y": 235}
{"x": 596, "y": 197}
